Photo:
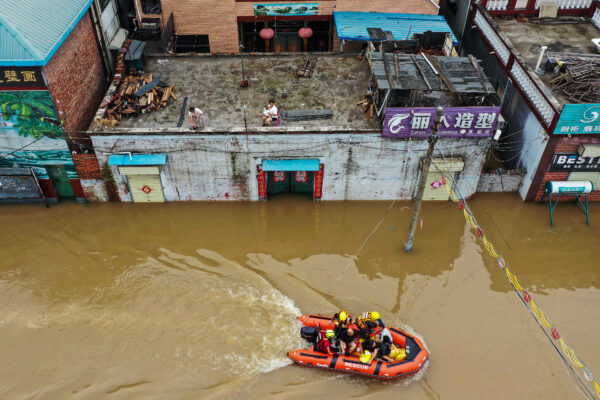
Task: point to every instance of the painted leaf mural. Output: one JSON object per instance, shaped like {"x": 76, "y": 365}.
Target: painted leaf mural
{"x": 31, "y": 113}
{"x": 30, "y": 133}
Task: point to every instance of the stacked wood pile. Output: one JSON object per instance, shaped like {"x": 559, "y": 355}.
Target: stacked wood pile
{"x": 138, "y": 94}
{"x": 580, "y": 83}
{"x": 366, "y": 105}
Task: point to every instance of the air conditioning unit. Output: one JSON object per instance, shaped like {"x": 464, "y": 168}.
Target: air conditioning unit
{"x": 548, "y": 9}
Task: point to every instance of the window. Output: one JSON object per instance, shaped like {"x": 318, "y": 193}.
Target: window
{"x": 151, "y": 6}
{"x": 191, "y": 43}
{"x": 103, "y": 4}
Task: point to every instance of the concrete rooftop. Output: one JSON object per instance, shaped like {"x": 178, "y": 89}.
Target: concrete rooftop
{"x": 565, "y": 34}
{"x": 213, "y": 85}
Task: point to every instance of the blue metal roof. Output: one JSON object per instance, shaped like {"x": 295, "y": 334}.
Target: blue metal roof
{"x": 137, "y": 159}
{"x": 309, "y": 164}
{"x": 353, "y": 25}
{"x": 32, "y": 30}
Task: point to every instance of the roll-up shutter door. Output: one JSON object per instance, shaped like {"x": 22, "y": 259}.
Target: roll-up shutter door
{"x": 434, "y": 188}
{"x": 145, "y": 188}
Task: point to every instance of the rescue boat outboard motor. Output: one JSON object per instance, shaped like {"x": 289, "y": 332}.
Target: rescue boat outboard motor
{"x": 309, "y": 333}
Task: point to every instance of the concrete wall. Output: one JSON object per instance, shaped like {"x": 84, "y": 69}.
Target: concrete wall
{"x": 76, "y": 78}
{"x": 356, "y": 166}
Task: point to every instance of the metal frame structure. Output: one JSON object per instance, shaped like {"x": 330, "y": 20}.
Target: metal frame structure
{"x": 580, "y": 205}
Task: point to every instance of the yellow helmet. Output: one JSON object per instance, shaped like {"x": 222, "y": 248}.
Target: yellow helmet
{"x": 365, "y": 357}
{"x": 343, "y": 315}
{"x": 375, "y": 315}
{"x": 329, "y": 333}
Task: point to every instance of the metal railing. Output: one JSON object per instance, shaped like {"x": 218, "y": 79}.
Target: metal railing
{"x": 531, "y": 7}
{"x": 545, "y": 111}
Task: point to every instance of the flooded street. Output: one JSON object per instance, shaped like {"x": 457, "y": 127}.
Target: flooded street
{"x": 192, "y": 300}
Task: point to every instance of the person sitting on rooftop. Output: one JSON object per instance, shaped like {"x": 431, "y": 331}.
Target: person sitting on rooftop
{"x": 270, "y": 113}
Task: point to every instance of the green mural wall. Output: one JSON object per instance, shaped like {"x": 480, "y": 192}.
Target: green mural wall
{"x": 30, "y": 133}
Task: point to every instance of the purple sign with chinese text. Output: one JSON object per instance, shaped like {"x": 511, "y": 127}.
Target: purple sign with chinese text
{"x": 460, "y": 122}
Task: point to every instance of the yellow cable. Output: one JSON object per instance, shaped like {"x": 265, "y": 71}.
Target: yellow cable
{"x": 490, "y": 248}
{"x": 570, "y": 354}
{"x": 539, "y": 314}
{"x": 469, "y": 219}
{"x": 597, "y": 388}
{"x": 513, "y": 279}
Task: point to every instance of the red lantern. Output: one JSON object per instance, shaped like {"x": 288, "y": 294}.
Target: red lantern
{"x": 267, "y": 34}
{"x": 305, "y": 34}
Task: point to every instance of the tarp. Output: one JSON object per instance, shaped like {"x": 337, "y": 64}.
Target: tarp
{"x": 310, "y": 164}
{"x": 137, "y": 159}
{"x": 353, "y": 25}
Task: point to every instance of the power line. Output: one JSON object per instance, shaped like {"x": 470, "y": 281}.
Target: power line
{"x": 567, "y": 360}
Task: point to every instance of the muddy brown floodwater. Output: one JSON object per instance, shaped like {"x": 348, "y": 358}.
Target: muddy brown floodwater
{"x": 192, "y": 300}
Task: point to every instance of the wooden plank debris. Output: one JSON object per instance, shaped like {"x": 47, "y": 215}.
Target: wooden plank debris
{"x": 137, "y": 94}
{"x": 306, "y": 69}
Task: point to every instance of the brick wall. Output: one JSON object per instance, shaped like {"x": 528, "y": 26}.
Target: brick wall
{"x": 218, "y": 18}
{"x": 508, "y": 181}
{"x": 87, "y": 166}
{"x": 567, "y": 145}
{"x": 390, "y": 6}
{"x": 76, "y": 78}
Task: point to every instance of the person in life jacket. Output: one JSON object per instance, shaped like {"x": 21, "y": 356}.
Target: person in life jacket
{"x": 342, "y": 321}
{"x": 389, "y": 351}
{"x": 367, "y": 323}
{"x": 324, "y": 343}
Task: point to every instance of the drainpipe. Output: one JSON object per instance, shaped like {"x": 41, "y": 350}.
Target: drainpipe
{"x": 102, "y": 46}
{"x": 539, "y": 61}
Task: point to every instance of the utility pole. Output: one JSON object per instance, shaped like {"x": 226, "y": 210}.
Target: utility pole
{"x": 425, "y": 171}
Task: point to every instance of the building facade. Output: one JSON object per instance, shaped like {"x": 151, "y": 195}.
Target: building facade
{"x": 349, "y": 166}
{"x": 51, "y": 83}
{"x": 543, "y": 126}
{"x": 219, "y": 26}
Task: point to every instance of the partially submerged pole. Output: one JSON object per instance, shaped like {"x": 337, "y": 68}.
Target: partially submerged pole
{"x": 424, "y": 172}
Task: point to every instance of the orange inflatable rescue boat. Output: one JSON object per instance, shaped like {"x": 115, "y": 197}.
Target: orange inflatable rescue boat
{"x": 416, "y": 354}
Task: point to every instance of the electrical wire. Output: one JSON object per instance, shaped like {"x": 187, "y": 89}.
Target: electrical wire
{"x": 583, "y": 388}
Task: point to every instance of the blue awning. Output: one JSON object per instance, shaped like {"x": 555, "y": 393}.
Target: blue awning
{"x": 353, "y": 25}
{"x": 137, "y": 159}
{"x": 310, "y": 164}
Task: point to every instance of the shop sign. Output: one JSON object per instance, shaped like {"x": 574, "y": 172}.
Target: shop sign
{"x": 286, "y": 9}
{"x": 579, "y": 119}
{"x": 574, "y": 162}
{"x": 459, "y": 122}
{"x": 21, "y": 77}
{"x": 318, "y": 192}
{"x": 261, "y": 178}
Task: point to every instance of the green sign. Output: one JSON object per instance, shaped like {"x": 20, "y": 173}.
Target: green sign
{"x": 286, "y": 9}
{"x": 579, "y": 119}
